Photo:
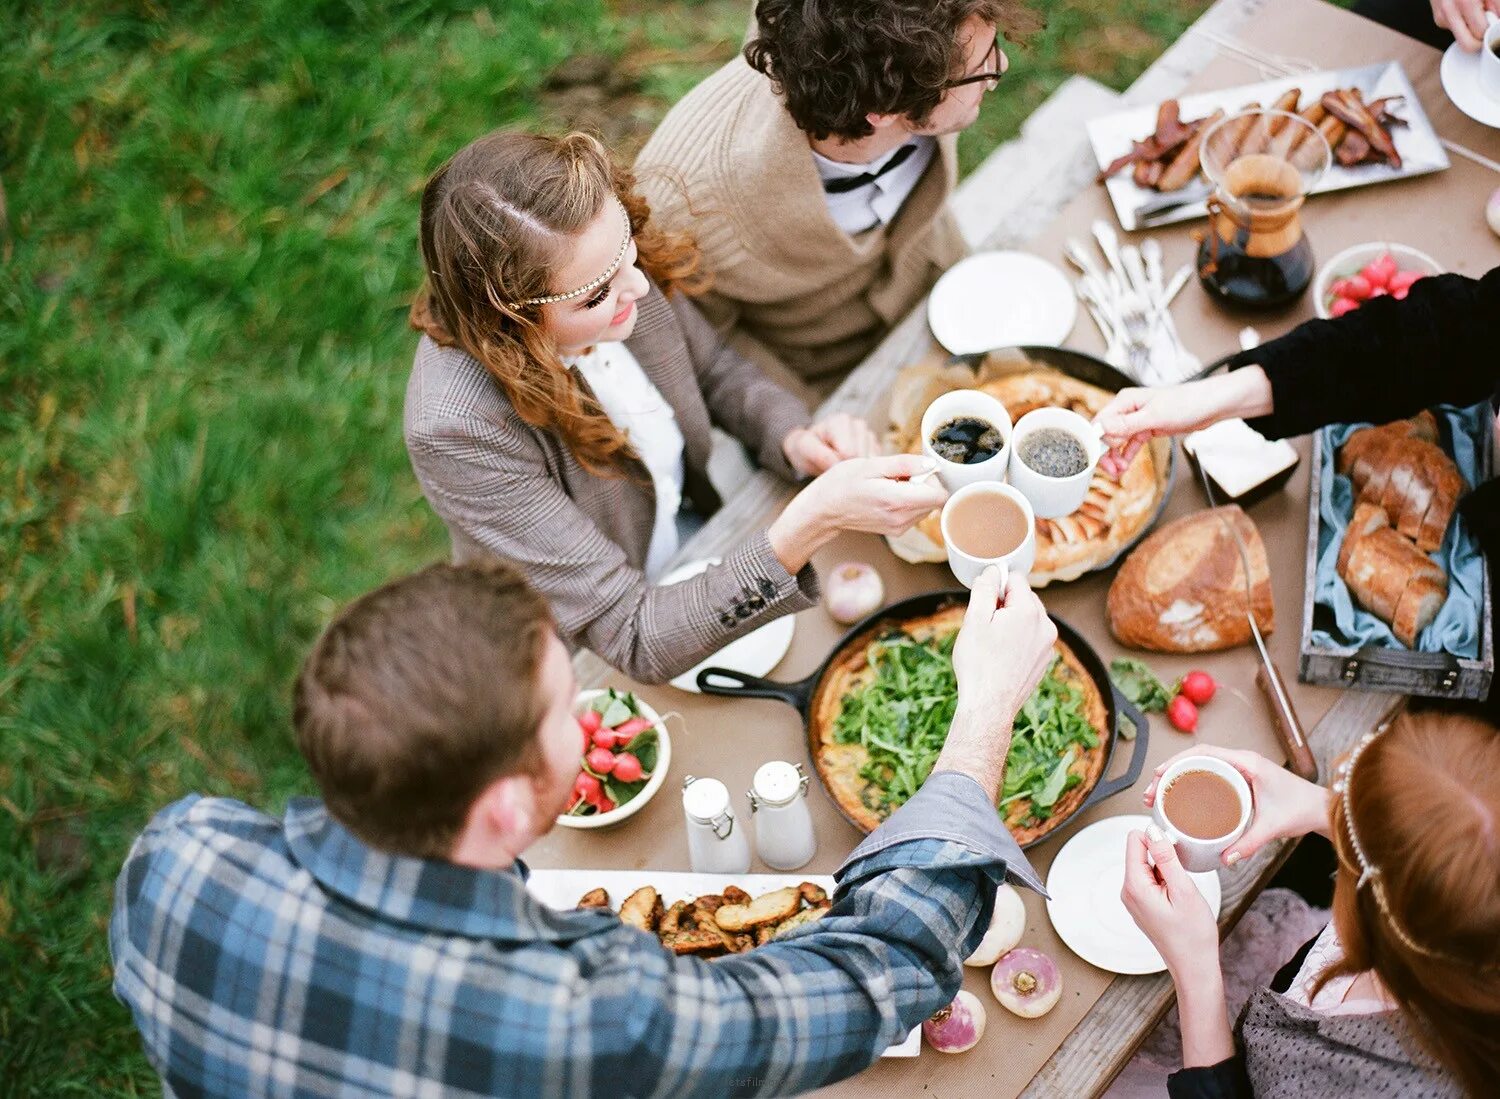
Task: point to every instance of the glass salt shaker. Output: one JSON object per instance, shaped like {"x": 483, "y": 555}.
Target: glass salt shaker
{"x": 783, "y": 826}
{"x": 717, "y": 843}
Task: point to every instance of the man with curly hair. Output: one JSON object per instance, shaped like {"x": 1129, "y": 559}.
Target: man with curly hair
{"x": 814, "y": 170}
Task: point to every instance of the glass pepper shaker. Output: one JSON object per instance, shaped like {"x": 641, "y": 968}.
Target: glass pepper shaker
{"x": 783, "y": 826}
{"x": 717, "y": 844}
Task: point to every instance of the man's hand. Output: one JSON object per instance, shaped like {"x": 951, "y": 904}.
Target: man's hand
{"x": 1001, "y": 654}
{"x": 1466, "y": 19}
{"x": 813, "y": 449}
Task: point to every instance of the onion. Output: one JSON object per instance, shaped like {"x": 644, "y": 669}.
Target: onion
{"x": 1007, "y": 926}
{"x": 957, "y": 1027}
{"x": 854, "y": 590}
{"x": 1026, "y": 982}
{"x": 1492, "y": 211}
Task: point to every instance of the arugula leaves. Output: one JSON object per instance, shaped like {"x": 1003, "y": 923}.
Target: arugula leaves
{"x": 901, "y": 719}
{"x": 1140, "y": 684}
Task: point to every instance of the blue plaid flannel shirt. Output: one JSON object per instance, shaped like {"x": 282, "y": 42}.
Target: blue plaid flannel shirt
{"x": 285, "y": 957}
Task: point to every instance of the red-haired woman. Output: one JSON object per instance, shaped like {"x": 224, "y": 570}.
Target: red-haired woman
{"x": 1400, "y": 994}
{"x": 559, "y": 410}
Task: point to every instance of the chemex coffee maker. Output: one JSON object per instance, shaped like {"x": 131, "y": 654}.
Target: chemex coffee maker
{"x": 1262, "y": 164}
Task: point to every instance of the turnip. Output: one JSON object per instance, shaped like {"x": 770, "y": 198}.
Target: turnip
{"x": 1007, "y": 926}
{"x": 957, "y": 1027}
{"x": 1026, "y": 982}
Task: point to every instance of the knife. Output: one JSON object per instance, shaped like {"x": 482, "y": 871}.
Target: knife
{"x": 1157, "y": 208}
{"x": 1283, "y": 715}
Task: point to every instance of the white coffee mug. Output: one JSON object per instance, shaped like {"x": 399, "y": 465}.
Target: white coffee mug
{"x": 954, "y": 405}
{"x": 1018, "y": 561}
{"x": 1489, "y": 63}
{"x": 1199, "y": 855}
{"x": 1053, "y": 497}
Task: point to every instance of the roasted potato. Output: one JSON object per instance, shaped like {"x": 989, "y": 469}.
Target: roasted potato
{"x": 771, "y": 908}
{"x": 594, "y": 898}
{"x": 642, "y": 909}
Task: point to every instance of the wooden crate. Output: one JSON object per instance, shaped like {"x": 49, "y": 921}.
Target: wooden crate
{"x": 1437, "y": 675}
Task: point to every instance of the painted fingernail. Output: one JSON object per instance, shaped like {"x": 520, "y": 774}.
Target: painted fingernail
{"x": 1231, "y": 858}
{"x": 1153, "y": 833}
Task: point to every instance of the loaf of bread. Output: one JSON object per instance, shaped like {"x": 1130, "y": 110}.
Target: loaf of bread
{"x": 1389, "y": 576}
{"x": 1183, "y": 589}
{"x": 1401, "y": 468}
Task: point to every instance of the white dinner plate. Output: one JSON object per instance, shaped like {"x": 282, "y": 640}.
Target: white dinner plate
{"x": 1085, "y": 906}
{"x": 754, "y": 654}
{"x": 1460, "y": 73}
{"x": 1001, "y": 299}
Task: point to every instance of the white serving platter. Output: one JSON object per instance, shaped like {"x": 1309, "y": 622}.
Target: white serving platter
{"x": 561, "y": 889}
{"x": 1421, "y": 151}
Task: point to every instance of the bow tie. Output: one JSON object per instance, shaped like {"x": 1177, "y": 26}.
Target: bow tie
{"x": 845, "y": 184}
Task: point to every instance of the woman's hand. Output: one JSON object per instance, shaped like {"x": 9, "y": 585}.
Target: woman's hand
{"x": 818, "y": 447}
{"x": 1169, "y": 910}
{"x": 1135, "y": 416}
{"x": 1466, "y": 19}
{"x": 872, "y": 495}
{"x": 1286, "y": 806}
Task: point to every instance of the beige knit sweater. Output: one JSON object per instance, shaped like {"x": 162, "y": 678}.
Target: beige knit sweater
{"x": 730, "y": 166}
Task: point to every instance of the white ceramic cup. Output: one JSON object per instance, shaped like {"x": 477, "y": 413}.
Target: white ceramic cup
{"x": 1199, "y": 855}
{"x": 1053, "y": 497}
{"x": 1489, "y": 63}
{"x": 1018, "y": 561}
{"x": 954, "y": 405}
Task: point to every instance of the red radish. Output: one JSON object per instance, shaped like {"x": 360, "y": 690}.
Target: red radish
{"x": 590, "y": 721}
{"x": 1026, "y": 982}
{"x": 1380, "y": 271}
{"x": 1400, "y": 295}
{"x": 1341, "y": 306}
{"x": 631, "y": 728}
{"x": 1402, "y": 280}
{"x": 1357, "y": 287}
{"x": 1378, "y": 292}
{"x": 604, "y": 738}
{"x": 958, "y": 1027}
{"x": 628, "y": 768}
{"x": 586, "y": 786}
{"x": 601, "y": 761}
{"x": 604, "y": 805}
{"x": 1199, "y": 687}
{"x": 1181, "y": 713}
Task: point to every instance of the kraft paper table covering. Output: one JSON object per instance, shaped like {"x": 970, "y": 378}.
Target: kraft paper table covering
{"x": 728, "y": 739}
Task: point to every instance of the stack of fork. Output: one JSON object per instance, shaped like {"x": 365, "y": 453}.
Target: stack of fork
{"x": 1130, "y": 302}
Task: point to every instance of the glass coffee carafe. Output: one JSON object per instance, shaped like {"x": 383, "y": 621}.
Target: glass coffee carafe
{"x": 1262, "y": 165}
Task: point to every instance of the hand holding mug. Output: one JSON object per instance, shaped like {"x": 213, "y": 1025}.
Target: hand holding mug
{"x": 814, "y": 449}
{"x": 1165, "y": 902}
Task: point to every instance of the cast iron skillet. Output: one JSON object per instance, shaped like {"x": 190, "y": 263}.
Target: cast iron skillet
{"x": 802, "y": 694}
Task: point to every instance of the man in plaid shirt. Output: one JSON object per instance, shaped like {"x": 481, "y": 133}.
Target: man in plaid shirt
{"x": 382, "y": 941}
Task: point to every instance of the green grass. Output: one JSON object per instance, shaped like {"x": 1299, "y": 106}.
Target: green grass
{"x": 206, "y": 255}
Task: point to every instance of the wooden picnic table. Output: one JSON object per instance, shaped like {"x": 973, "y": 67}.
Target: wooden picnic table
{"x": 1088, "y": 1038}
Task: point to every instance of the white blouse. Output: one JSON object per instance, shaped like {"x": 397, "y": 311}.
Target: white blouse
{"x": 1330, "y": 998}
{"x": 635, "y": 406}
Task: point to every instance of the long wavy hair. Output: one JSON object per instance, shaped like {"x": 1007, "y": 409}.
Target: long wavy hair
{"x": 497, "y": 220}
{"x": 1424, "y": 802}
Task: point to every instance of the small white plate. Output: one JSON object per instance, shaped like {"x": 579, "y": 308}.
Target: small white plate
{"x": 1460, "y": 73}
{"x": 754, "y": 654}
{"x": 1085, "y": 906}
{"x": 1001, "y": 299}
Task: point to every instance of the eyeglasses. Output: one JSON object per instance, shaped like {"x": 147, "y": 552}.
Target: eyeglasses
{"x": 989, "y": 79}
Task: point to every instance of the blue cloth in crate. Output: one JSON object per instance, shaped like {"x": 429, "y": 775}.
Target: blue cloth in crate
{"x": 1456, "y": 628}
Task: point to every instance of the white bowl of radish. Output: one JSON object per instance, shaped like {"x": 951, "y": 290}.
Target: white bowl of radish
{"x": 626, "y": 753}
{"x": 1366, "y": 271}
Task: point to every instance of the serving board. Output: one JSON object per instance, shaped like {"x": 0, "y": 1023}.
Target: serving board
{"x": 561, "y": 889}
{"x": 1421, "y": 152}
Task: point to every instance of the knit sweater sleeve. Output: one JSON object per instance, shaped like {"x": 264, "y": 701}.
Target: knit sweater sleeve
{"x": 1385, "y": 360}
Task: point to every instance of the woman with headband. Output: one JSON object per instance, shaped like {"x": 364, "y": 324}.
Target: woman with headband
{"x": 560, "y": 406}
{"x": 1400, "y": 994}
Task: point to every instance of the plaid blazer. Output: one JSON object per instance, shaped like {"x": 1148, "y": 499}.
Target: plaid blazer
{"x": 265, "y": 957}
{"x": 507, "y": 489}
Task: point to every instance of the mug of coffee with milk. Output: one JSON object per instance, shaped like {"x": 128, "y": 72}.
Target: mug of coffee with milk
{"x": 1203, "y": 804}
{"x": 989, "y": 523}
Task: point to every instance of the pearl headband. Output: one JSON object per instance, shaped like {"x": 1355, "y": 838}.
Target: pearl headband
{"x": 596, "y": 283}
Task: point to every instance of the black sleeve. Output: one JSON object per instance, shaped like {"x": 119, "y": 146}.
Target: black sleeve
{"x": 1385, "y": 360}
{"x": 1225, "y": 1080}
